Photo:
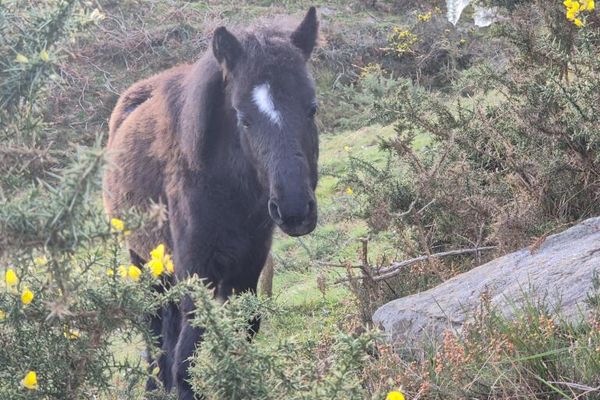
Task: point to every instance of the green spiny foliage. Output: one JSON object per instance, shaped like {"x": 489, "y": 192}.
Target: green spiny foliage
{"x": 512, "y": 157}
{"x": 59, "y": 309}
{"x": 229, "y": 366}
{"x": 28, "y": 33}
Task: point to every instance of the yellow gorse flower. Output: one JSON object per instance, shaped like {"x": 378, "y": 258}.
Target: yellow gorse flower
{"x": 2, "y": 315}
{"x": 30, "y": 381}
{"x": 11, "y": 278}
{"x": 157, "y": 267}
{"x": 20, "y": 58}
{"x": 169, "y": 265}
{"x": 424, "y": 17}
{"x": 27, "y": 296}
{"x": 71, "y": 334}
{"x": 117, "y": 224}
{"x": 97, "y": 16}
{"x": 158, "y": 253}
{"x": 122, "y": 270}
{"x": 575, "y": 7}
{"x": 44, "y": 56}
{"x": 349, "y": 191}
{"x": 160, "y": 261}
{"x": 134, "y": 273}
{"x": 395, "y": 395}
{"x": 41, "y": 260}
{"x": 401, "y": 41}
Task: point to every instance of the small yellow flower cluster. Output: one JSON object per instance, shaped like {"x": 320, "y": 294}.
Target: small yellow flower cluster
{"x": 40, "y": 261}
{"x": 370, "y": 69}
{"x": 11, "y": 279}
{"x": 395, "y": 395}
{"x": 71, "y": 333}
{"x": 96, "y": 16}
{"x": 424, "y": 17}
{"x": 30, "y": 380}
{"x": 23, "y": 59}
{"x": 349, "y": 191}
{"x": 575, "y": 7}
{"x": 132, "y": 272}
{"x": 118, "y": 226}
{"x": 160, "y": 261}
{"x": 401, "y": 41}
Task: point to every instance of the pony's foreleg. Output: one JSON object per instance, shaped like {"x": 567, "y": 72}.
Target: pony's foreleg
{"x": 189, "y": 337}
{"x": 171, "y": 325}
{"x": 156, "y": 323}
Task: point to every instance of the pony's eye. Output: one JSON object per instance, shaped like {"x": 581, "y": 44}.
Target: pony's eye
{"x": 312, "y": 110}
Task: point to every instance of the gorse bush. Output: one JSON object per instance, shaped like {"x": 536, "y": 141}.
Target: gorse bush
{"x": 60, "y": 312}
{"x": 29, "y": 34}
{"x": 229, "y": 366}
{"x": 32, "y": 36}
{"x": 430, "y": 51}
{"x": 511, "y": 158}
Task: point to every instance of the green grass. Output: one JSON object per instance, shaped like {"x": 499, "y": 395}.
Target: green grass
{"x": 307, "y": 312}
{"x": 363, "y": 143}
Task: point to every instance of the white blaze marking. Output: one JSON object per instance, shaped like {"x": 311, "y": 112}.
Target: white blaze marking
{"x": 261, "y": 95}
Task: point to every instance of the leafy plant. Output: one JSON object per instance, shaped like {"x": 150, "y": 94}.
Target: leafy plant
{"x": 229, "y": 366}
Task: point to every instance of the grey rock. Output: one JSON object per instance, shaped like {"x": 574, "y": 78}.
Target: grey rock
{"x": 558, "y": 274}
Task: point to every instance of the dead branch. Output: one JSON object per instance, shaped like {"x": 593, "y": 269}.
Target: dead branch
{"x": 335, "y": 265}
{"x": 395, "y": 268}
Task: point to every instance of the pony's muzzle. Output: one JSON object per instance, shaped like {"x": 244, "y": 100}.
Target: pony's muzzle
{"x": 296, "y": 218}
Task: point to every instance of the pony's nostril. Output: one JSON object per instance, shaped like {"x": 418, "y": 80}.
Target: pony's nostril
{"x": 293, "y": 215}
{"x": 274, "y": 211}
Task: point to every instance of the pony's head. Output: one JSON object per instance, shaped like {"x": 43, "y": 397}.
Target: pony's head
{"x": 273, "y": 97}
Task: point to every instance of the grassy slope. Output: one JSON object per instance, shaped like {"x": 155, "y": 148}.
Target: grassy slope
{"x": 140, "y": 38}
{"x": 311, "y": 311}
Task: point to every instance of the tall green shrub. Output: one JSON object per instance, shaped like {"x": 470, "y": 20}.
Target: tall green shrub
{"x": 64, "y": 302}
{"x": 513, "y": 155}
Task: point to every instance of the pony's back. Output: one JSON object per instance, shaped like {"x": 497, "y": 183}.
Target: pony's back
{"x": 140, "y": 144}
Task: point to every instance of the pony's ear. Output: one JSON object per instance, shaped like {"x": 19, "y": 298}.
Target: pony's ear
{"x": 305, "y": 36}
{"x": 226, "y": 48}
{"x": 200, "y": 93}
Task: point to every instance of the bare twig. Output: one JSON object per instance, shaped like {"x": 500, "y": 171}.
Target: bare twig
{"x": 395, "y": 268}
{"x": 336, "y": 265}
{"x": 405, "y": 213}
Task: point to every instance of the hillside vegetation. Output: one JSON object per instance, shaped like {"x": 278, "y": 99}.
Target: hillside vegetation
{"x": 434, "y": 137}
